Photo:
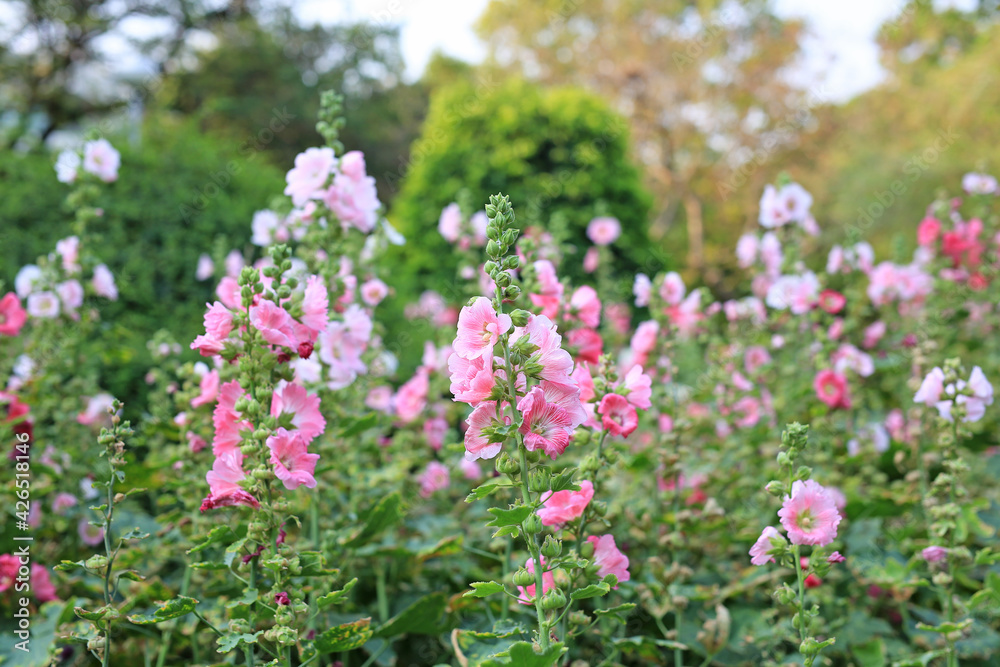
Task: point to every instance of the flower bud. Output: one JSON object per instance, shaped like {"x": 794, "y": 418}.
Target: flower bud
{"x": 523, "y": 578}
{"x": 532, "y": 525}
{"x": 492, "y": 249}
{"x": 775, "y": 488}
{"x": 96, "y": 562}
{"x": 579, "y": 618}
{"x": 587, "y": 550}
{"x": 804, "y": 472}
{"x": 503, "y": 279}
{"x": 506, "y": 465}
{"x": 509, "y": 237}
{"x": 554, "y": 599}
{"x": 511, "y": 293}
{"x": 511, "y": 262}
{"x": 551, "y": 547}
{"x": 520, "y": 317}
{"x": 490, "y": 268}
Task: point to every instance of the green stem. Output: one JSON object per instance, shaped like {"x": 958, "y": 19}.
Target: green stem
{"x": 802, "y": 593}
{"x": 161, "y": 659}
{"x": 248, "y": 648}
{"x": 532, "y": 540}
{"x": 110, "y": 554}
{"x": 505, "y": 609}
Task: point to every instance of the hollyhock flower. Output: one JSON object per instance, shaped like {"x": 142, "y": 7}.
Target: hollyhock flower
{"x": 638, "y": 387}
{"x": 411, "y": 399}
{"x": 934, "y": 554}
{"x": 665, "y": 423}
{"x": 797, "y": 293}
{"x": 831, "y": 388}
{"x": 43, "y": 305}
{"x": 472, "y": 381}
{"x": 584, "y": 382}
{"x": 227, "y": 421}
{"x": 101, "y": 160}
{"x": 224, "y": 483}
{"x": 548, "y": 281}
{"x": 979, "y": 184}
{"x": 755, "y": 357}
{"x": 931, "y": 388}
{"x": 479, "y": 330}
{"x": 604, "y": 231}
{"x": 307, "y": 178}
{"x": 746, "y": 250}
{"x": 779, "y": 207}
{"x": 586, "y": 305}
{"x": 228, "y": 291}
{"x": 470, "y": 470}
{"x": 849, "y": 357}
{"x": 104, "y": 283}
{"x": 766, "y": 542}
{"x": 586, "y": 345}
{"x": 562, "y": 507}
{"x": 672, "y": 290}
{"x": 450, "y": 223}
{"x": 479, "y": 222}
{"x": 618, "y": 417}
{"x": 771, "y": 254}
{"x": 293, "y": 464}
{"x": 591, "y": 259}
{"x": 435, "y": 429}
{"x": 434, "y": 478}
{"x": 608, "y": 558}
{"x": 380, "y": 399}
{"x": 812, "y": 581}
{"x": 642, "y": 288}
{"x": 373, "y": 292}
{"x": 27, "y": 279}
{"x": 832, "y": 301}
{"x": 686, "y": 315}
{"x": 835, "y": 557}
{"x": 97, "y": 408}
{"x": 274, "y": 324}
{"x": 477, "y": 444}
{"x": 748, "y": 408}
{"x": 873, "y": 334}
{"x": 89, "y": 535}
{"x": 526, "y": 594}
{"x": 62, "y": 502}
{"x": 810, "y": 514}
{"x": 208, "y": 389}
{"x": 546, "y": 426}
{"x": 205, "y": 269}
{"x": 196, "y": 443}
{"x": 644, "y": 340}
{"x": 41, "y": 584}
{"x": 68, "y": 250}
{"x": 550, "y": 362}
{"x": 67, "y": 166}
{"x": 264, "y": 225}
{"x": 294, "y": 399}
{"x": 353, "y": 197}
{"x": 315, "y": 304}
{"x": 928, "y": 231}
{"x": 71, "y": 294}
{"x": 234, "y": 263}
{"x": 12, "y": 315}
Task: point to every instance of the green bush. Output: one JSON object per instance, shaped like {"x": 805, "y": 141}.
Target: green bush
{"x": 179, "y": 193}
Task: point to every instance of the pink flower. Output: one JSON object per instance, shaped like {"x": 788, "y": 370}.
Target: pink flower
{"x": 755, "y": 357}
{"x": 274, "y": 324}
{"x": 748, "y": 408}
{"x": 758, "y": 552}
{"x": 12, "y": 315}
{"x": 547, "y": 279}
{"x": 586, "y": 345}
{"x": 9, "y": 565}
{"x": 746, "y": 250}
{"x": 618, "y": 417}
{"x": 68, "y": 250}
{"x": 832, "y": 301}
{"x": 779, "y": 207}
{"x": 642, "y": 288}
{"x": 585, "y": 382}
{"x": 435, "y": 430}
{"x": 810, "y": 514}
{"x": 608, "y": 558}
{"x": 353, "y": 197}
{"x": 550, "y": 362}
{"x": 527, "y": 593}
{"x": 564, "y": 506}
{"x": 41, "y": 584}
{"x": 373, "y": 292}
{"x": 934, "y": 554}
{"x": 979, "y": 184}
{"x": 227, "y": 421}
{"x": 835, "y": 557}
{"x": 43, "y": 304}
{"x": 412, "y": 396}
{"x": 89, "y": 535}
{"x": 228, "y": 291}
{"x": 477, "y": 443}
{"x": 928, "y": 231}
{"x": 104, "y": 283}
{"x": 470, "y": 470}
{"x": 849, "y": 357}
{"x": 62, "y": 502}
{"x": 795, "y": 293}
{"x": 208, "y": 388}
{"x": 591, "y": 259}
{"x": 293, "y": 464}
{"x": 831, "y": 388}
{"x": 67, "y": 166}
{"x": 450, "y": 223}
{"x": 479, "y": 330}
{"x": 224, "y": 483}
{"x": 101, "y": 160}
{"x": 546, "y": 426}
{"x": 434, "y": 478}
{"x": 585, "y": 305}
{"x": 307, "y": 178}
{"x": 293, "y": 399}
{"x": 873, "y": 334}
{"x": 97, "y": 408}
{"x": 644, "y": 341}
{"x": 686, "y": 315}
{"x": 604, "y": 231}
{"x": 472, "y": 381}
{"x": 315, "y": 304}
{"x": 638, "y": 388}
{"x": 672, "y": 290}
{"x": 931, "y": 388}
{"x": 771, "y": 255}
{"x": 380, "y": 399}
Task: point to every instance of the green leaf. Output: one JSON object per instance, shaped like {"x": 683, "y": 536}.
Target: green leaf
{"x": 131, "y": 575}
{"x": 564, "y": 481}
{"x": 487, "y": 488}
{"x": 509, "y": 517}
{"x": 620, "y": 612}
{"x": 179, "y": 606}
{"x": 135, "y": 534}
{"x": 100, "y": 614}
{"x": 313, "y": 565}
{"x": 69, "y": 566}
{"x": 228, "y": 642}
{"x": 217, "y": 534}
{"x": 423, "y": 617}
{"x": 344, "y": 637}
{"x": 591, "y": 591}
{"x": 43, "y": 637}
{"x": 249, "y": 597}
{"x": 871, "y": 654}
{"x": 360, "y": 425}
{"x": 945, "y": 628}
{"x": 522, "y": 654}
{"x": 481, "y": 589}
{"x": 448, "y": 546}
{"x": 646, "y": 647}
{"x": 336, "y": 597}
{"x": 385, "y": 514}
{"x": 512, "y": 531}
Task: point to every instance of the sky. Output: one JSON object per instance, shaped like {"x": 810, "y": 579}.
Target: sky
{"x": 840, "y": 51}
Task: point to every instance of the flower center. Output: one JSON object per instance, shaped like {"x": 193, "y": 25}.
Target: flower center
{"x": 806, "y": 521}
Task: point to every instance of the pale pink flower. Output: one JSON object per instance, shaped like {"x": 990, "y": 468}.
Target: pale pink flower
{"x": 755, "y": 357}
{"x": 642, "y": 288}
{"x": 101, "y": 160}
{"x": 264, "y": 225}
{"x": 665, "y": 423}
{"x": 550, "y": 362}
{"x": 849, "y": 357}
{"x": 196, "y": 443}
{"x": 41, "y": 584}
{"x": 97, "y": 408}
{"x": 293, "y": 464}
{"x": 546, "y": 426}
{"x": 470, "y": 470}
{"x": 873, "y": 334}
{"x": 604, "y": 231}
{"x": 479, "y": 329}
{"x": 380, "y": 399}
{"x": 586, "y": 305}
{"x": 835, "y": 260}
{"x": 68, "y": 250}
{"x": 224, "y": 483}
{"x": 686, "y": 315}
{"x": 591, "y": 259}
{"x": 67, "y": 166}
{"x": 227, "y": 421}
{"x": 353, "y": 196}
{"x": 43, "y": 304}
{"x": 479, "y": 222}
{"x": 315, "y": 304}
{"x": 208, "y": 389}
{"x": 526, "y": 594}
{"x": 104, "y": 282}
{"x": 307, "y": 179}
{"x": 934, "y": 554}
{"x": 547, "y": 279}
{"x": 748, "y": 409}
{"x": 234, "y": 264}
{"x": 228, "y": 291}
{"x": 831, "y": 388}
{"x": 779, "y": 207}
{"x": 931, "y": 388}
{"x": 618, "y": 417}
{"x": 295, "y": 400}
{"x": 980, "y": 184}
{"x": 373, "y": 292}
{"x": 810, "y": 514}
{"x": 274, "y": 324}
{"x": 746, "y": 250}
{"x": 585, "y": 344}
{"x": 27, "y": 280}
{"x": 477, "y": 444}
{"x": 62, "y": 502}
{"x": 798, "y": 293}
{"x": 644, "y": 340}
{"x": 71, "y": 294}
{"x": 434, "y": 478}
{"x": 12, "y": 315}
{"x": 562, "y": 507}
{"x": 638, "y": 387}
{"x": 411, "y": 399}
{"x": 450, "y": 223}
{"x": 608, "y": 558}
{"x": 584, "y": 381}
{"x": 758, "y": 552}
{"x": 771, "y": 254}
{"x": 672, "y": 290}
{"x": 435, "y": 429}
{"x": 205, "y": 269}
{"x": 472, "y": 381}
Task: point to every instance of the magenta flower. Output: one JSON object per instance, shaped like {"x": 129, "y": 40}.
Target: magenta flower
{"x": 227, "y": 421}
{"x": 293, "y": 465}
{"x": 608, "y": 558}
{"x": 12, "y": 315}
{"x": 810, "y": 514}
{"x": 479, "y": 329}
{"x": 934, "y": 554}
{"x": 618, "y": 416}
{"x": 41, "y": 584}
{"x": 835, "y": 557}
{"x": 527, "y": 593}
{"x": 638, "y": 387}
{"x": 274, "y": 324}
{"x": 294, "y": 399}
{"x": 764, "y": 543}
{"x": 562, "y": 507}
{"x": 831, "y": 388}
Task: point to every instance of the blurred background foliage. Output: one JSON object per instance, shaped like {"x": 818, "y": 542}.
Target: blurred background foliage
{"x": 701, "y": 90}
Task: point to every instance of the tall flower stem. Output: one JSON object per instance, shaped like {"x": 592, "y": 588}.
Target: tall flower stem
{"x": 533, "y": 548}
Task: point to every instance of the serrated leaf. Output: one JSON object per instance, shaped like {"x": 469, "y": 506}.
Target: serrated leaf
{"x": 249, "y": 597}
{"x": 618, "y": 612}
{"x": 484, "y": 490}
{"x": 100, "y": 614}
{"x": 509, "y": 517}
{"x": 135, "y": 534}
{"x": 179, "y": 606}
{"x": 564, "y": 481}
{"x": 344, "y": 637}
{"x": 512, "y": 531}
{"x": 591, "y": 591}
{"x": 336, "y": 597}
{"x": 481, "y": 589}
{"x": 228, "y": 642}
{"x": 522, "y": 654}
{"x": 423, "y": 617}
{"x": 647, "y": 647}
{"x": 217, "y": 534}
{"x": 69, "y": 566}
{"x": 313, "y": 565}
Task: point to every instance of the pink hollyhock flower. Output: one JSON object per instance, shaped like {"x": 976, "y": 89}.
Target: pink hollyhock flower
{"x": 587, "y": 345}
{"x": 608, "y": 558}
{"x": 835, "y": 557}
{"x": 746, "y": 250}
{"x": 638, "y": 388}
{"x": 218, "y": 321}
{"x": 748, "y": 409}
{"x": 435, "y": 430}
{"x": 928, "y": 231}
{"x": 549, "y": 305}
{"x": 227, "y": 421}
{"x": 264, "y": 225}
{"x": 672, "y": 290}
{"x": 479, "y": 330}
{"x": 567, "y": 398}
{"x": 196, "y": 443}
{"x": 224, "y": 483}
{"x": 931, "y": 388}
{"x": 562, "y": 507}
{"x": 450, "y": 223}
{"x": 380, "y": 399}
{"x": 979, "y": 184}
{"x": 546, "y": 426}
{"x": 550, "y": 362}
{"x": 353, "y": 197}
{"x": 479, "y": 222}
{"x": 472, "y": 381}
{"x": 591, "y": 259}
{"x": 686, "y": 315}
{"x": 779, "y": 207}
{"x": 795, "y": 293}
{"x": 41, "y": 584}
{"x": 934, "y": 554}
{"x": 307, "y": 178}
{"x": 97, "y": 408}
{"x": 104, "y": 283}
{"x": 101, "y": 160}
{"x": 315, "y": 304}
{"x": 831, "y": 388}
{"x": 62, "y": 502}
{"x": 9, "y": 565}
{"x": 208, "y": 388}
{"x": 89, "y": 535}
{"x": 832, "y": 301}
{"x": 228, "y": 291}
{"x": 873, "y": 334}
{"x": 43, "y": 304}
{"x": 758, "y": 552}
{"x": 644, "y": 341}
{"x": 68, "y": 250}
{"x": 618, "y": 417}
{"x": 293, "y": 464}
{"x": 411, "y": 399}
{"x": 771, "y": 254}
{"x": 207, "y": 346}
{"x": 584, "y": 381}
{"x": 274, "y": 324}
{"x": 477, "y": 444}
{"x": 293, "y": 399}
{"x": 205, "y": 269}
{"x": 12, "y": 315}
{"x": 810, "y": 514}
{"x": 470, "y": 470}
{"x": 526, "y": 594}
{"x": 67, "y": 166}
{"x": 373, "y": 292}
{"x": 586, "y": 305}
{"x": 665, "y": 423}
{"x": 604, "y": 231}
{"x": 71, "y": 294}
{"x": 642, "y": 288}
{"x": 434, "y": 478}
{"x": 547, "y": 279}
{"x": 755, "y": 357}
{"x": 849, "y": 357}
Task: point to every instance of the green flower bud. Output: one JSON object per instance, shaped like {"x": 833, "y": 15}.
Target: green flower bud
{"x": 551, "y": 547}
{"x": 532, "y": 525}
{"x": 775, "y": 488}
{"x": 520, "y": 317}
{"x": 579, "y": 618}
{"x": 492, "y": 249}
{"x": 587, "y": 550}
{"x": 804, "y": 472}
{"x": 503, "y": 279}
{"x": 554, "y": 599}
{"x": 96, "y": 562}
{"x": 600, "y": 507}
{"x": 506, "y": 465}
{"x": 490, "y": 268}
{"x": 509, "y": 237}
{"x": 511, "y": 293}
{"x": 523, "y": 578}
{"x": 512, "y": 262}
